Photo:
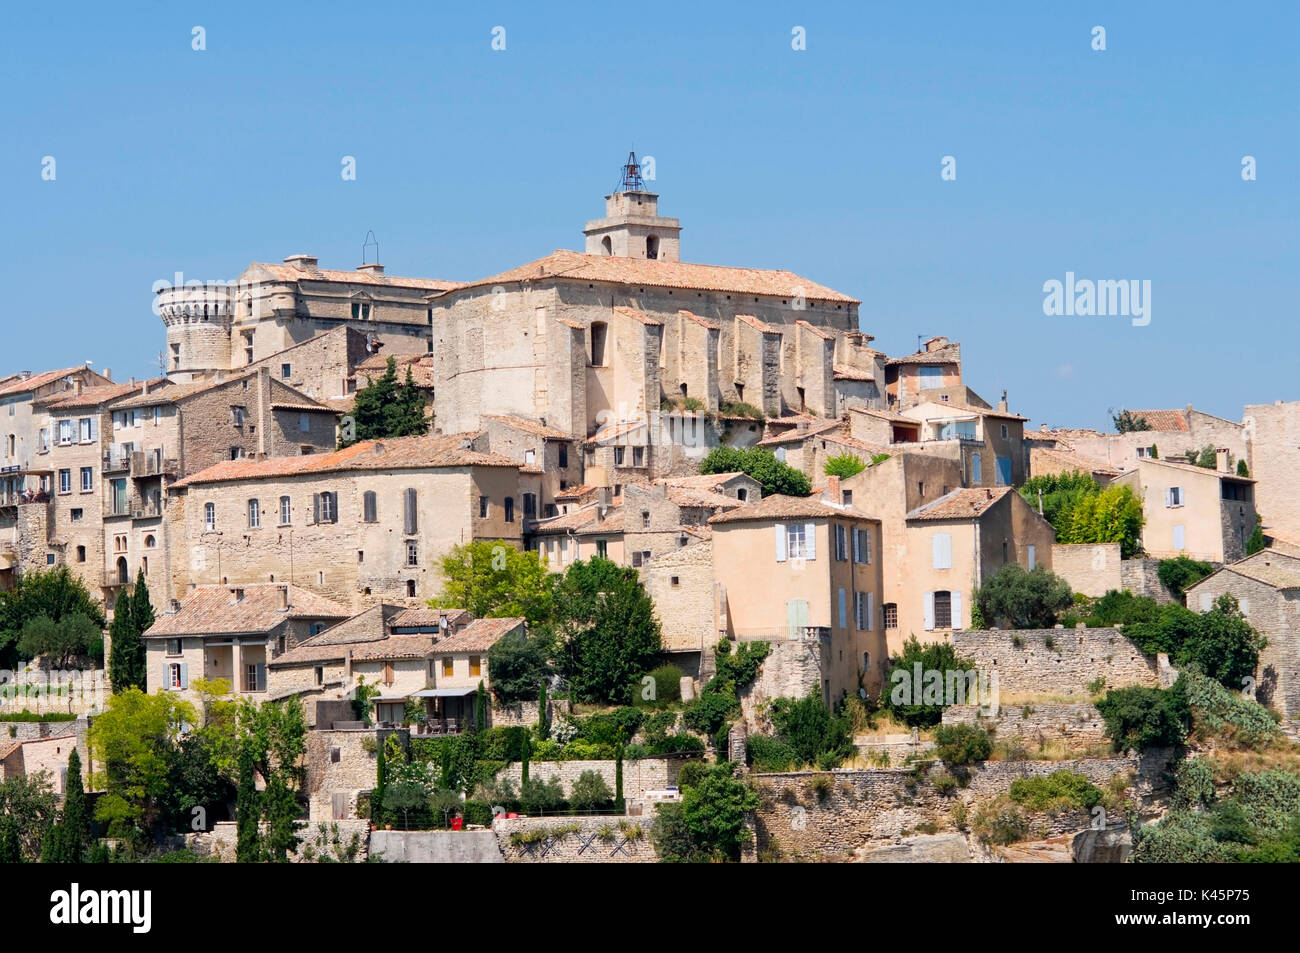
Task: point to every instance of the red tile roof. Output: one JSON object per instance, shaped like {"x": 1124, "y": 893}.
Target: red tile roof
{"x": 778, "y": 507}
{"x": 821, "y": 333}
{"x": 965, "y": 503}
{"x": 479, "y": 636}
{"x": 1163, "y": 420}
{"x": 702, "y": 322}
{"x": 400, "y": 453}
{"x": 637, "y": 316}
{"x": 533, "y": 427}
{"x": 93, "y": 396}
{"x": 948, "y": 354}
{"x": 753, "y": 322}
{"x": 666, "y": 274}
{"x": 23, "y": 385}
{"x": 288, "y": 272}
{"x": 214, "y": 610}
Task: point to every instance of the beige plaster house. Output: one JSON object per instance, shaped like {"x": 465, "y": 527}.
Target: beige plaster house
{"x": 1192, "y": 511}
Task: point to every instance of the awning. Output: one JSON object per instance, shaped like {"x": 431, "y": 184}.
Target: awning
{"x": 443, "y": 692}
{"x": 389, "y": 699}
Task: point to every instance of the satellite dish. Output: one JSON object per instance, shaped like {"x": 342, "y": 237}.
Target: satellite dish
{"x": 862, "y": 693}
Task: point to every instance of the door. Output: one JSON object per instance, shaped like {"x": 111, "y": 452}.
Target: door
{"x": 1004, "y": 471}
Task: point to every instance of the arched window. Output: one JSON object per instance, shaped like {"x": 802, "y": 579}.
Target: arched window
{"x": 652, "y": 246}
{"x": 123, "y": 573}
{"x": 599, "y": 334}
{"x": 607, "y": 245}
{"x": 150, "y": 542}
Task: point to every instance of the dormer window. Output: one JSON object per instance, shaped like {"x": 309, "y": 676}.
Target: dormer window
{"x": 361, "y": 308}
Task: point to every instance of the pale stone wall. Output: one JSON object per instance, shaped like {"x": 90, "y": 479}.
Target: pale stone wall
{"x": 639, "y": 775}
{"x": 1142, "y": 578}
{"x": 680, "y": 583}
{"x": 1078, "y": 656}
{"x": 355, "y": 770}
{"x": 1078, "y": 725}
{"x": 1092, "y": 569}
{"x": 582, "y": 846}
{"x": 794, "y": 668}
{"x": 1274, "y": 431}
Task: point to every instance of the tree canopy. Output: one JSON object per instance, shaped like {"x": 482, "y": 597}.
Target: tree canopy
{"x": 1017, "y": 598}
{"x": 496, "y": 580}
{"x": 386, "y": 408}
{"x": 52, "y": 594}
{"x": 762, "y": 465}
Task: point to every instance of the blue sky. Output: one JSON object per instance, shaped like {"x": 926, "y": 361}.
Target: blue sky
{"x": 1122, "y": 164}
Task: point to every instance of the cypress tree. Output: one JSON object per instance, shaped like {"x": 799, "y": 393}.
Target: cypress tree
{"x": 372, "y": 409}
{"x": 381, "y": 785}
{"x": 480, "y": 709}
{"x": 126, "y": 666}
{"x": 411, "y": 420}
{"x": 69, "y": 838}
{"x": 142, "y": 613}
{"x": 543, "y": 716}
{"x": 527, "y": 753}
{"x": 619, "y": 806}
{"x": 247, "y": 811}
{"x": 11, "y": 851}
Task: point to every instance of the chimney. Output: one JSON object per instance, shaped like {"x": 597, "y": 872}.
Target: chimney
{"x": 108, "y": 374}
{"x": 302, "y": 262}
{"x": 1002, "y": 404}
{"x": 378, "y": 448}
{"x": 144, "y": 387}
{"x": 175, "y": 606}
{"x": 833, "y": 489}
{"x": 1221, "y": 460}
{"x": 284, "y": 598}
{"x": 77, "y": 386}
{"x": 372, "y": 268}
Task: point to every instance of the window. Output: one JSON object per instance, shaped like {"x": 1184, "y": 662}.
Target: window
{"x": 652, "y": 246}
{"x": 843, "y": 606}
{"x": 599, "y": 333}
{"x": 210, "y": 516}
{"x": 638, "y": 456}
{"x": 174, "y": 679}
{"x": 1004, "y": 432}
{"x": 862, "y": 546}
{"x": 841, "y": 543}
{"x": 530, "y": 458}
{"x": 976, "y": 470}
{"x": 412, "y": 553}
{"x": 65, "y": 430}
{"x": 1174, "y": 496}
{"x": 447, "y": 668}
{"x": 943, "y": 610}
{"x": 564, "y": 456}
{"x": 795, "y": 541}
{"x": 742, "y": 494}
{"x": 530, "y": 506}
{"x": 77, "y": 515}
{"x": 86, "y": 428}
{"x": 941, "y": 546}
{"x": 360, "y": 310}
{"x": 325, "y": 507}
{"x": 254, "y": 514}
{"x": 864, "y": 611}
{"x": 65, "y": 481}
{"x": 482, "y": 507}
{"x": 304, "y": 422}
{"x": 602, "y": 549}
{"x": 286, "y": 371}
{"x": 889, "y": 612}
{"x": 1032, "y": 553}
{"x": 173, "y": 646}
{"x": 645, "y": 519}
{"x": 81, "y": 554}
{"x": 49, "y": 559}
{"x": 250, "y": 678}
{"x": 369, "y": 507}
{"x": 286, "y": 511}
{"x": 320, "y": 680}
{"x": 87, "y": 479}
{"x": 846, "y": 497}
{"x": 475, "y": 666}
{"x": 510, "y": 509}
{"x": 410, "y": 588}
{"x": 1004, "y": 470}
{"x": 675, "y": 581}
{"x": 931, "y": 378}
{"x": 618, "y": 456}
{"x": 237, "y": 416}
{"x": 410, "y": 520}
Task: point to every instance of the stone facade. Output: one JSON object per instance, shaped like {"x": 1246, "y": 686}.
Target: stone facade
{"x": 597, "y": 840}
{"x": 681, "y": 584}
{"x": 340, "y": 765}
{"x": 1092, "y": 569}
{"x": 1078, "y": 725}
{"x": 639, "y": 775}
{"x": 1024, "y": 663}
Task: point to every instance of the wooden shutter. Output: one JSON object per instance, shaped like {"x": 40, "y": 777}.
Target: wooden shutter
{"x": 185, "y": 676}
{"x": 844, "y": 617}
{"x": 261, "y": 676}
{"x": 929, "y": 611}
{"x": 956, "y": 609}
{"x": 857, "y": 545}
{"x": 780, "y": 542}
{"x": 315, "y": 507}
{"x": 942, "y": 545}
{"x": 810, "y": 540}
{"x": 871, "y": 612}
{"x": 410, "y": 519}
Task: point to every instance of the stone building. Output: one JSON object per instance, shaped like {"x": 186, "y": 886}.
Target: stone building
{"x": 800, "y": 569}
{"x": 356, "y": 525}
{"x": 1267, "y": 589}
{"x": 36, "y": 756}
{"x": 1192, "y": 511}
{"x": 1173, "y": 434}
{"x": 584, "y": 531}
{"x": 229, "y": 325}
{"x": 1273, "y": 431}
{"x": 914, "y": 378}
{"x": 230, "y": 633}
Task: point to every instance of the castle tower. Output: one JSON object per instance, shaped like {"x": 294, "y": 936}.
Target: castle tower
{"x": 632, "y": 226}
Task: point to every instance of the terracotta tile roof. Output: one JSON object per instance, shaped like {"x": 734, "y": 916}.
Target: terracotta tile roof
{"x": 479, "y": 636}
{"x": 576, "y": 492}
{"x": 779, "y": 507}
{"x": 309, "y": 406}
{"x": 1190, "y": 468}
{"x": 701, "y": 481}
{"x": 948, "y": 354}
{"x": 340, "y": 405}
{"x": 691, "y": 497}
{"x": 964, "y": 503}
{"x": 533, "y": 427}
{"x": 753, "y": 322}
{"x": 891, "y": 416}
{"x": 1071, "y": 459}
{"x": 966, "y": 409}
{"x": 287, "y": 272}
{"x": 23, "y": 385}
{"x": 617, "y": 429}
{"x": 795, "y": 435}
{"x": 420, "y": 366}
{"x": 843, "y": 439}
{"x": 170, "y": 393}
{"x": 702, "y": 322}
{"x": 212, "y": 610}
{"x": 1276, "y": 576}
{"x": 425, "y": 616}
{"x": 821, "y": 333}
{"x": 93, "y": 396}
{"x": 399, "y": 453}
{"x": 845, "y": 373}
{"x": 658, "y": 273}
{"x": 1163, "y": 420}
{"x": 583, "y": 521}
{"x": 637, "y": 316}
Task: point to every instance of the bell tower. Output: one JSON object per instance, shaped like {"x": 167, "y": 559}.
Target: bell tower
{"x": 632, "y": 226}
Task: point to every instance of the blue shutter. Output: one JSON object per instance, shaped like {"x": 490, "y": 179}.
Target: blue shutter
{"x": 780, "y": 542}
{"x": 810, "y": 540}
{"x": 185, "y": 676}
{"x": 844, "y": 618}
{"x": 261, "y": 676}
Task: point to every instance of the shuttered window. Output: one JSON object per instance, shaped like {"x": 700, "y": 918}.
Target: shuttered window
{"x": 369, "y": 507}
{"x": 942, "y": 544}
{"x": 409, "y": 519}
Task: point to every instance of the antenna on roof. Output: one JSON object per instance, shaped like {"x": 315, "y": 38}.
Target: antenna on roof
{"x": 920, "y": 342}
{"x": 370, "y": 240}
{"x": 631, "y": 180}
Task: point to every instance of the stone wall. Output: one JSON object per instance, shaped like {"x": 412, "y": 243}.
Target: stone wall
{"x": 1090, "y": 568}
{"x": 354, "y": 771}
{"x": 316, "y": 838}
{"x": 34, "y": 730}
{"x": 596, "y": 840}
{"x": 1142, "y": 578}
{"x": 682, "y": 580}
{"x": 1024, "y": 663}
{"x": 1079, "y": 725}
{"x": 869, "y": 808}
{"x": 792, "y": 669}
{"x": 639, "y": 776}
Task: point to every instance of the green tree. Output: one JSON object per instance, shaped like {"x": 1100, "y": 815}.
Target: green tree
{"x": 589, "y": 792}
{"x": 1179, "y": 573}
{"x": 69, "y": 838}
{"x": 493, "y": 580}
{"x": 1019, "y": 598}
{"x": 902, "y": 697}
{"x": 11, "y": 849}
{"x": 814, "y": 735}
{"x": 1139, "y": 717}
{"x": 54, "y": 594}
{"x": 962, "y": 744}
{"x": 520, "y": 665}
{"x": 709, "y": 823}
{"x": 132, "y": 744}
{"x": 127, "y": 653}
{"x": 608, "y": 633}
{"x": 759, "y": 463}
{"x": 28, "y": 805}
{"x": 1058, "y": 492}
{"x": 844, "y": 465}
{"x": 142, "y": 614}
{"x": 1112, "y": 515}
{"x": 1208, "y": 458}
{"x": 1242, "y": 469}
{"x": 1256, "y": 542}
{"x": 1128, "y": 422}
{"x": 72, "y": 636}
{"x": 384, "y": 408}
{"x": 248, "y": 812}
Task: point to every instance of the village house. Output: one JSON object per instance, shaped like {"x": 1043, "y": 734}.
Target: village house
{"x": 356, "y": 525}
{"x": 1172, "y": 433}
{"x": 544, "y": 450}
{"x": 35, "y": 756}
{"x": 1267, "y": 589}
{"x": 584, "y": 531}
{"x": 801, "y": 570}
{"x": 435, "y": 658}
{"x": 230, "y": 633}
{"x": 328, "y": 367}
{"x": 662, "y": 516}
{"x": 914, "y": 378}
{"x": 1192, "y": 511}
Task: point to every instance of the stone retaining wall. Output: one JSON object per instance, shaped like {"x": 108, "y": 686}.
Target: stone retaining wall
{"x": 1025, "y": 664}
{"x": 639, "y": 776}
{"x": 592, "y": 840}
{"x": 1079, "y": 724}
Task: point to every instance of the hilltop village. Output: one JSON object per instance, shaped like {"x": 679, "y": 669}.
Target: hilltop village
{"x": 529, "y": 567}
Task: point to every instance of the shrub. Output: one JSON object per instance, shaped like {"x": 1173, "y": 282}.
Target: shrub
{"x": 1219, "y": 712}
{"x": 710, "y": 711}
{"x": 680, "y": 744}
{"x": 761, "y": 464}
{"x": 605, "y": 728}
{"x": 1179, "y": 573}
{"x": 844, "y": 465}
{"x": 539, "y": 796}
{"x": 812, "y": 732}
{"x": 589, "y": 792}
{"x": 1018, "y": 598}
{"x": 1056, "y": 791}
{"x": 1001, "y": 822}
{"x": 902, "y": 698}
{"x": 962, "y": 744}
{"x": 1140, "y": 717}
{"x": 766, "y": 753}
{"x": 667, "y": 686}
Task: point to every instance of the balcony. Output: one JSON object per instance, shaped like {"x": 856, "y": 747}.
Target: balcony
{"x": 114, "y": 580}
{"x": 117, "y": 461}
{"x": 798, "y": 633}
{"x": 149, "y": 463}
